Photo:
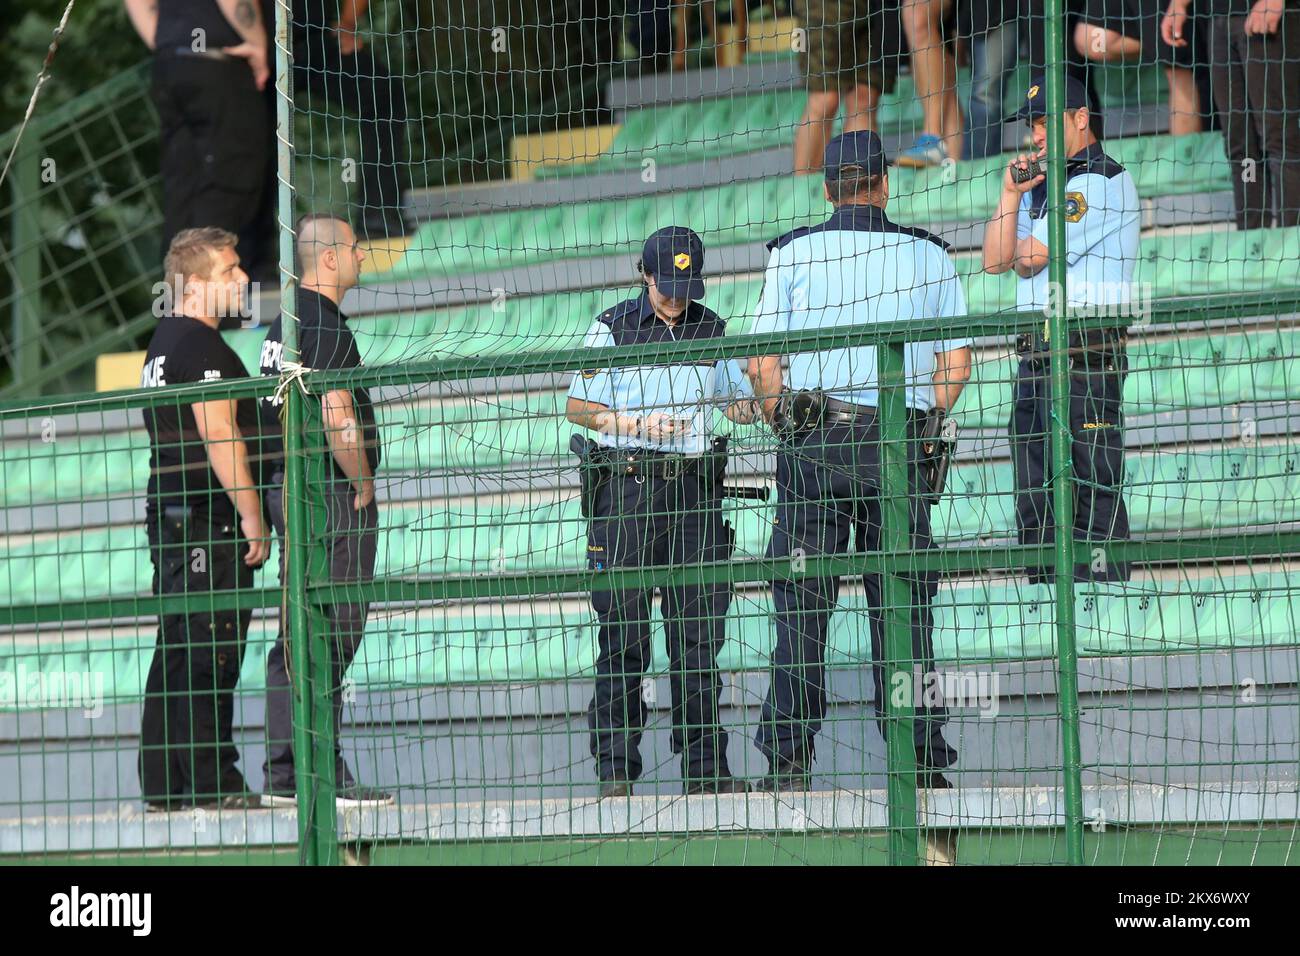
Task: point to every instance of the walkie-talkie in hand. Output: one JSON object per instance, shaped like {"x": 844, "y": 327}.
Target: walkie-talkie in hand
{"x": 1030, "y": 172}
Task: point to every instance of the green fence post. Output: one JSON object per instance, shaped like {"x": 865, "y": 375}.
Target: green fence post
{"x": 319, "y": 637}
{"x": 896, "y": 542}
{"x": 25, "y": 177}
{"x": 317, "y": 825}
{"x": 1060, "y": 435}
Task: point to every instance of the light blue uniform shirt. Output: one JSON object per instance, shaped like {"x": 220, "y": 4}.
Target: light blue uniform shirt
{"x": 1102, "y": 227}
{"x": 687, "y": 391}
{"x": 856, "y": 268}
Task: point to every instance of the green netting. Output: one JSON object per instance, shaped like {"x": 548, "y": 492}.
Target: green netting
{"x": 1137, "y": 672}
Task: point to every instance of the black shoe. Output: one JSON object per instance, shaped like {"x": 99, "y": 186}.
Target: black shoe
{"x": 787, "y": 776}
{"x": 724, "y": 784}
{"x": 932, "y": 780}
{"x": 616, "y": 785}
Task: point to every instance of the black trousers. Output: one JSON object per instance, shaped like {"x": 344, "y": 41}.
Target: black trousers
{"x": 350, "y": 538}
{"x": 829, "y": 482}
{"x": 326, "y": 81}
{"x": 216, "y": 147}
{"x": 647, "y": 521}
{"x": 1256, "y": 82}
{"x": 1097, "y": 454}
{"x": 187, "y": 750}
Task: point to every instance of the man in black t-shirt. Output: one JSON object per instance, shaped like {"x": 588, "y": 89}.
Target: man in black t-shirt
{"x": 1254, "y": 50}
{"x": 331, "y": 263}
{"x": 332, "y": 68}
{"x": 202, "y": 508}
{"x": 210, "y": 66}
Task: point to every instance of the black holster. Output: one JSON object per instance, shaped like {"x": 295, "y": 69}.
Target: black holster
{"x": 936, "y": 453}
{"x": 715, "y": 468}
{"x": 593, "y": 472}
{"x": 799, "y": 412}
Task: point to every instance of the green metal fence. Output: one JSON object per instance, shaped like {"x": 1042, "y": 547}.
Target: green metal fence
{"x": 454, "y": 658}
{"x": 81, "y": 251}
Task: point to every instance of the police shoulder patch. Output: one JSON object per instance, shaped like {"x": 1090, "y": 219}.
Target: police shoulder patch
{"x": 1075, "y": 206}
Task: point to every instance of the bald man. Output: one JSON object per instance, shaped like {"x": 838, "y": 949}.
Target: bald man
{"x": 330, "y": 263}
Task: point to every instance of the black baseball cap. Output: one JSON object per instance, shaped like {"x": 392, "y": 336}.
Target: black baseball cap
{"x": 674, "y": 255}
{"x": 1035, "y": 101}
{"x": 861, "y": 148}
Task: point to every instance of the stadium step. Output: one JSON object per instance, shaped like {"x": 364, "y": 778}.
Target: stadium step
{"x": 756, "y": 211}
{"x": 511, "y": 429}
{"x": 690, "y": 130}
{"x": 1172, "y": 264}
{"x": 535, "y": 529}
{"x": 974, "y": 621}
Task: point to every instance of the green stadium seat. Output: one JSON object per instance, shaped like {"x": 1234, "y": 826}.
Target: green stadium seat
{"x": 743, "y": 123}
{"x": 1168, "y": 492}
{"x": 1164, "y": 374}
{"x": 758, "y": 210}
{"x": 1204, "y": 371}
{"x": 974, "y": 623}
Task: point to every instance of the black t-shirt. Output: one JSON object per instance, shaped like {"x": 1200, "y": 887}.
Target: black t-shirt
{"x": 1232, "y": 8}
{"x": 178, "y": 19}
{"x": 325, "y": 342}
{"x": 187, "y": 350}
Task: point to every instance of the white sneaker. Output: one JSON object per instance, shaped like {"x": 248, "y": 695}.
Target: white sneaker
{"x": 359, "y": 796}
{"x": 353, "y": 796}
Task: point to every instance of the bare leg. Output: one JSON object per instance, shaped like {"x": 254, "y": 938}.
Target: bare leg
{"x": 814, "y": 131}
{"x": 860, "y": 108}
{"x": 1107, "y": 46}
{"x": 679, "y": 35}
{"x": 1184, "y": 101}
{"x": 740, "y": 17}
{"x": 934, "y": 70}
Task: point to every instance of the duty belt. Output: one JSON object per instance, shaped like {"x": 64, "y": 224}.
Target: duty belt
{"x": 645, "y": 463}
{"x": 846, "y": 413}
{"x": 1035, "y": 345}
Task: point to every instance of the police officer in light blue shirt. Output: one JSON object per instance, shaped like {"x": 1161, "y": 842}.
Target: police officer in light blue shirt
{"x": 856, "y": 268}
{"x": 1102, "y": 223}
{"x": 652, "y": 489}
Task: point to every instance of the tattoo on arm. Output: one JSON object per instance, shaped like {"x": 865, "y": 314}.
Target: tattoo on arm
{"x": 245, "y": 13}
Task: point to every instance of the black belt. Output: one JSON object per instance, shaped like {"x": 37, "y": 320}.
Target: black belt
{"x": 1093, "y": 340}
{"x": 647, "y": 463}
{"x": 846, "y": 413}
{"x": 205, "y": 54}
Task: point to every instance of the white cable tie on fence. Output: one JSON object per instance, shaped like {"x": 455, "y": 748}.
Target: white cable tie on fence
{"x": 291, "y": 374}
